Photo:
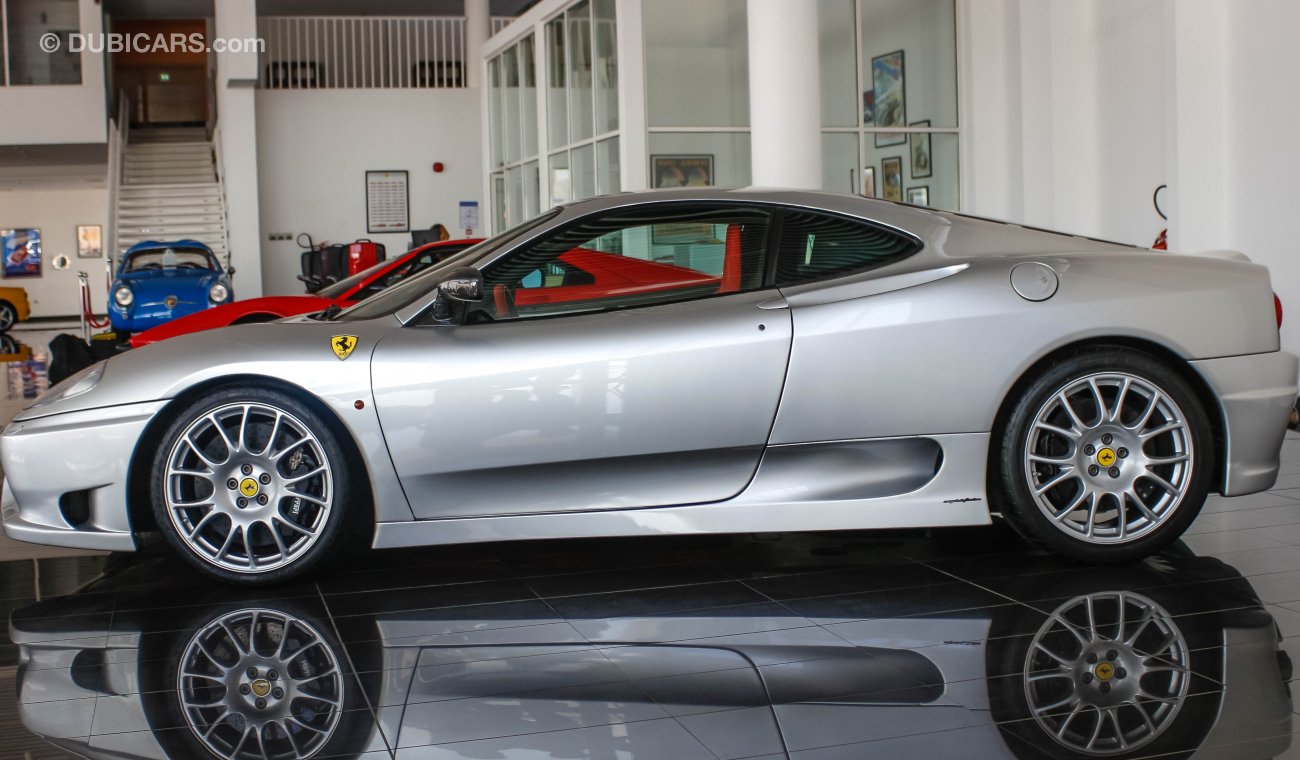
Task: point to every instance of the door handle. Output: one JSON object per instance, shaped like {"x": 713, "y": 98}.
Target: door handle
{"x": 774, "y": 303}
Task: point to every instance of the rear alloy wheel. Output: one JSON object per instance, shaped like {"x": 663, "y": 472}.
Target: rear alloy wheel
{"x": 8, "y": 315}
{"x": 248, "y": 487}
{"x": 1110, "y": 457}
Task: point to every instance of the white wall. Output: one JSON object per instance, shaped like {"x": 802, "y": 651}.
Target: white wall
{"x": 1260, "y": 147}
{"x": 1075, "y": 112}
{"x": 56, "y": 213}
{"x": 51, "y": 114}
{"x": 314, "y": 149}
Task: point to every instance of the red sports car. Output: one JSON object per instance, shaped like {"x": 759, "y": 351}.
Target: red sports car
{"x": 343, "y": 293}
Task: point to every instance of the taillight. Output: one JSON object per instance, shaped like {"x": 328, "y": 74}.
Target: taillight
{"x": 1277, "y": 308}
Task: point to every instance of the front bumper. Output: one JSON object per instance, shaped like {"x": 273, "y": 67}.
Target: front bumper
{"x": 46, "y": 458}
{"x": 1256, "y": 395}
{"x": 146, "y": 315}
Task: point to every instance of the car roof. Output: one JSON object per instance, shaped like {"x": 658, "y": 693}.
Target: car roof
{"x": 892, "y": 213}
{"x": 149, "y": 245}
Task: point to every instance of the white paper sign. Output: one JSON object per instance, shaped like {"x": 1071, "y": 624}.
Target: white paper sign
{"x": 469, "y": 216}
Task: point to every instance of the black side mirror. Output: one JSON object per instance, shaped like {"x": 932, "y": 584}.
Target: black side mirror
{"x": 230, "y": 271}
{"x": 464, "y": 285}
{"x": 457, "y": 295}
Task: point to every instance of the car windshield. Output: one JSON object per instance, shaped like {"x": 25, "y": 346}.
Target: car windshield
{"x": 169, "y": 258}
{"x": 400, "y": 273}
{"x": 413, "y": 288}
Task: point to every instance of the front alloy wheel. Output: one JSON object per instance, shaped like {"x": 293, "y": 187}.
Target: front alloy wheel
{"x": 247, "y": 487}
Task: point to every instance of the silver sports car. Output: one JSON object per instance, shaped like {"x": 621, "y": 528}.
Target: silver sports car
{"x": 683, "y": 362}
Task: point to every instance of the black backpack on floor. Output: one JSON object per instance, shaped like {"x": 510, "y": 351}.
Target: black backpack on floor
{"x": 68, "y": 356}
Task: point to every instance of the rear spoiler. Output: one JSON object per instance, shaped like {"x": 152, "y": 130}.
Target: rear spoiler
{"x": 1224, "y": 254}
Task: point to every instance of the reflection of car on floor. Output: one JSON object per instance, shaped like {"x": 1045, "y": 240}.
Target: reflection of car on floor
{"x": 14, "y": 307}
{"x": 1189, "y": 670}
{"x": 782, "y": 361}
{"x": 159, "y": 281}
{"x": 13, "y": 350}
{"x": 343, "y": 294}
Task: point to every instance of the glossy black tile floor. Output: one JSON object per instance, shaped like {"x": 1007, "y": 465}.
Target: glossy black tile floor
{"x": 963, "y": 643}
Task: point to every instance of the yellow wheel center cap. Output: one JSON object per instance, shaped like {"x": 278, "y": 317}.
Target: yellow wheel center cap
{"x": 249, "y": 487}
{"x": 1106, "y": 457}
{"x": 261, "y": 687}
{"x": 1104, "y": 672}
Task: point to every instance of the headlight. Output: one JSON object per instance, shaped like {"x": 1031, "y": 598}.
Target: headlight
{"x": 123, "y": 296}
{"x": 76, "y": 385}
{"x": 218, "y": 293}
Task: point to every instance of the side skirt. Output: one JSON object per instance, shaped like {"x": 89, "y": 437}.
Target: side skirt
{"x": 842, "y": 485}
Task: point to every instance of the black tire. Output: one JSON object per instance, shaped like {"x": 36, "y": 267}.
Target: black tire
{"x": 1009, "y": 484}
{"x": 8, "y": 316}
{"x": 343, "y": 522}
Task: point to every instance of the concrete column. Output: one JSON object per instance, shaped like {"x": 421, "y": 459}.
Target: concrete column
{"x": 237, "y": 131}
{"x": 633, "y": 163}
{"x": 1200, "y": 144}
{"x": 478, "y": 27}
{"x": 785, "y": 108}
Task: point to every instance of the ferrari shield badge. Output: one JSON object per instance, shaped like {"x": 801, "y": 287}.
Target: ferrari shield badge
{"x": 343, "y": 345}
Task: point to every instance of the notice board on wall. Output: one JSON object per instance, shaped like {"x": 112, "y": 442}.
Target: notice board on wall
{"x": 388, "y": 201}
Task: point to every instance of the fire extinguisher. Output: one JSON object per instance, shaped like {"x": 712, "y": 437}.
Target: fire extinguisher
{"x": 1162, "y": 240}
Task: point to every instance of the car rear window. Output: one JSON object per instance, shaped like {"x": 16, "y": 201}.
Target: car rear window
{"x": 819, "y": 246}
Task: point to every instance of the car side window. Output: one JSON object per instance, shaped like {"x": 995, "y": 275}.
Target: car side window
{"x": 818, "y": 246}
{"x": 629, "y": 258}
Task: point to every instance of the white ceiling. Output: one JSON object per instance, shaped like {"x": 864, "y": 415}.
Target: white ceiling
{"x": 142, "y": 9}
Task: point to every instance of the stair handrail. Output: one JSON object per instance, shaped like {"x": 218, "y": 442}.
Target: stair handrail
{"x": 221, "y": 189}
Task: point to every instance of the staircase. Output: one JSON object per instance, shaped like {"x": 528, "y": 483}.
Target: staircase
{"x": 169, "y": 190}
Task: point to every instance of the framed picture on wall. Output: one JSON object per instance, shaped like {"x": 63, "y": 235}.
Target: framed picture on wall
{"x": 891, "y": 172}
{"x": 890, "y": 97}
{"x": 681, "y": 171}
{"x": 684, "y": 233}
{"x": 919, "y": 196}
{"x": 90, "y": 241}
{"x": 869, "y": 181}
{"x": 21, "y": 247}
{"x": 388, "y": 201}
{"x": 920, "y": 151}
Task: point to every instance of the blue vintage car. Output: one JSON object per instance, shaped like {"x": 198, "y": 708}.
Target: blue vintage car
{"x": 159, "y": 281}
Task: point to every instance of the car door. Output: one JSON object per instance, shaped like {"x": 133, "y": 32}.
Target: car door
{"x": 652, "y": 389}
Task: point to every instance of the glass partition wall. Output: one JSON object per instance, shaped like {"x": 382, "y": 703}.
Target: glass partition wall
{"x": 577, "y": 62}
{"x": 889, "y": 99}
{"x": 888, "y": 71}
{"x": 697, "y": 92}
